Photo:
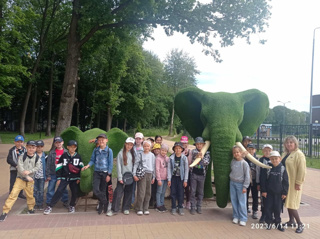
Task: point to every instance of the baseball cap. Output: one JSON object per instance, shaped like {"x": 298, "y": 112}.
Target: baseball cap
{"x": 274, "y": 154}
{"x": 267, "y": 146}
{"x": 102, "y": 136}
{"x": 40, "y": 143}
{"x": 58, "y": 139}
{"x": 72, "y": 142}
{"x": 184, "y": 139}
{"x": 130, "y": 140}
{"x": 18, "y": 138}
{"x": 251, "y": 146}
{"x": 32, "y": 142}
{"x": 138, "y": 135}
{"x": 246, "y": 138}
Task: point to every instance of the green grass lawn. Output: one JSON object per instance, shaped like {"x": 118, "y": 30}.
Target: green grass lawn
{"x": 8, "y": 137}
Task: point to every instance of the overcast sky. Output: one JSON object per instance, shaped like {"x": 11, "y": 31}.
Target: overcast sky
{"x": 281, "y": 68}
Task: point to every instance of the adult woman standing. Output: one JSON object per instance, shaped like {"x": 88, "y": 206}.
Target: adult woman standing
{"x": 295, "y": 163}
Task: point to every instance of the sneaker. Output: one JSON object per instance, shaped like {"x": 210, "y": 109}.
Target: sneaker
{"x": 262, "y": 219}
{"x": 255, "y": 215}
{"x": 126, "y": 212}
{"x": 159, "y": 209}
{"x": 72, "y": 209}
{"x": 235, "y": 220}
{"x": 181, "y": 213}
{"x": 146, "y": 212}
{"x": 47, "y": 211}
{"x": 300, "y": 228}
{"x": 22, "y": 197}
{"x": 174, "y": 212}
{"x": 199, "y": 210}
{"x": 140, "y": 213}
{"x": 192, "y": 211}
{"x": 66, "y": 205}
{"x": 242, "y": 223}
{"x": 280, "y": 228}
{"x": 188, "y": 205}
{"x": 3, "y": 217}
{"x": 164, "y": 209}
{"x": 249, "y": 210}
{"x": 31, "y": 211}
{"x": 110, "y": 213}
{"x": 100, "y": 208}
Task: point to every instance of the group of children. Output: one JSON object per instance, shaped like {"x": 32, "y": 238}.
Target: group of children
{"x": 272, "y": 183}
{"x": 141, "y": 164}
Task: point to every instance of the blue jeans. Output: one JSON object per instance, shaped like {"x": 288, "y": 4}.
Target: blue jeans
{"x": 38, "y": 189}
{"x": 51, "y": 189}
{"x": 239, "y": 201}
{"x": 161, "y": 191}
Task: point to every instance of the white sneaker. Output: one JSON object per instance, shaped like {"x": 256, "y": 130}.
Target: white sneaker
{"x": 243, "y": 223}
{"x": 47, "y": 211}
{"x": 235, "y": 220}
{"x": 109, "y": 213}
{"x": 139, "y": 213}
{"x": 146, "y": 212}
{"x": 126, "y": 212}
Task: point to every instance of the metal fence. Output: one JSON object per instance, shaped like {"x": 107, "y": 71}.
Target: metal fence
{"x": 275, "y": 134}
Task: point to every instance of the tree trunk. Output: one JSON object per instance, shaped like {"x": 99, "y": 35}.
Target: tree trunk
{"x": 171, "y": 124}
{"x": 71, "y": 73}
{"x": 24, "y": 110}
{"x": 33, "y": 111}
{"x": 48, "y": 132}
{"x": 125, "y": 125}
{"x": 109, "y": 118}
{"x": 38, "y": 116}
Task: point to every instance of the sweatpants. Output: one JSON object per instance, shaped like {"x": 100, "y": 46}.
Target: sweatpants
{"x": 124, "y": 191}
{"x": 100, "y": 186}
{"x": 176, "y": 192}
{"x": 254, "y": 192}
{"x": 273, "y": 204}
{"x": 61, "y": 188}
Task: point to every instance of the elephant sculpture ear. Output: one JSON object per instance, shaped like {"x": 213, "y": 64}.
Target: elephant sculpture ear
{"x": 188, "y": 106}
{"x": 256, "y": 109}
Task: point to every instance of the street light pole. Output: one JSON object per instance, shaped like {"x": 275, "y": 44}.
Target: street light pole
{"x": 311, "y": 87}
{"x": 284, "y": 112}
{"x": 311, "y": 92}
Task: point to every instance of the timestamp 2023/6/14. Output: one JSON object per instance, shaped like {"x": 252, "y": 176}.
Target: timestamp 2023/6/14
{"x": 273, "y": 226}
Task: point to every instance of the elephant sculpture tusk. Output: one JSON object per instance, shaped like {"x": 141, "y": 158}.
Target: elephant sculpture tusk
{"x": 251, "y": 158}
{"x": 203, "y": 151}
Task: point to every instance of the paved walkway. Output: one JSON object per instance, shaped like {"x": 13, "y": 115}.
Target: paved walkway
{"x": 213, "y": 223}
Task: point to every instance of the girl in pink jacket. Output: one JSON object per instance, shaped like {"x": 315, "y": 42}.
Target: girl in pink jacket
{"x": 161, "y": 174}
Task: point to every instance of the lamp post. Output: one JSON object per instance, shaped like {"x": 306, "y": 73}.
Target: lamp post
{"x": 284, "y": 112}
{"x": 311, "y": 86}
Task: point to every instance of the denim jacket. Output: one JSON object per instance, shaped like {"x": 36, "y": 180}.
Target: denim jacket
{"x": 184, "y": 167}
{"x": 102, "y": 161}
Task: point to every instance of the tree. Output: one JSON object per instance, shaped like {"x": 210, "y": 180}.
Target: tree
{"x": 180, "y": 72}
{"x": 199, "y": 21}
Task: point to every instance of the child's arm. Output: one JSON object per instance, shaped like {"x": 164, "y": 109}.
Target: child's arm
{"x": 91, "y": 161}
{"x": 169, "y": 173}
{"x": 20, "y": 166}
{"x": 263, "y": 182}
{"x": 206, "y": 158}
{"x": 246, "y": 177}
{"x": 136, "y": 164}
{"x": 119, "y": 166}
{"x": 158, "y": 166}
{"x": 285, "y": 183}
{"x": 110, "y": 162}
{"x": 59, "y": 167}
{"x": 186, "y": 172}
{"x": 10, "y": 159}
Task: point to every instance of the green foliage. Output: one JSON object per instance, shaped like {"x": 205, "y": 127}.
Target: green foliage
{"x": 116, "y": 139}
{"x": 8, "y": 137}
{"x": 221, "y": 118}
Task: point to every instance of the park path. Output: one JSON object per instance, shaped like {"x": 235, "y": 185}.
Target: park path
{"x": 213, "y": 223}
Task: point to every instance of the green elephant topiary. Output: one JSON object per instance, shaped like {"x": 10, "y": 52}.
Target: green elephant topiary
{"x": 116, "y": 139}
{"x": 221, "y": 118}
